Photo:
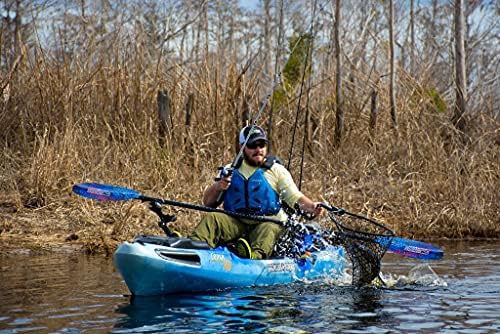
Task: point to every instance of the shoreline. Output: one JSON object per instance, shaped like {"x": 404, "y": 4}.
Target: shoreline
{"x": 88, "y": 228}
{"x": 15, "y": 244}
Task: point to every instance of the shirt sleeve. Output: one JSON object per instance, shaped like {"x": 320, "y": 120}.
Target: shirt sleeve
{"x": 285, "y": 186}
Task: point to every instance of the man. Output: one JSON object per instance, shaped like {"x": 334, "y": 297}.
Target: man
{"x": 256, "y": 186}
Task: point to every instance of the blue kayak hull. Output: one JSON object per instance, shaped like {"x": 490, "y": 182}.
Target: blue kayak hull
{"x": 152, "y": 269}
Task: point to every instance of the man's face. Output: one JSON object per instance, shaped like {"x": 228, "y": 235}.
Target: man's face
{"x": 255, "y": 153}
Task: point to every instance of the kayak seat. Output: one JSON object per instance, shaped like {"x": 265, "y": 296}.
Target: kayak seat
{"x": 187, "y": 243}
{"x": 173, "y": 242}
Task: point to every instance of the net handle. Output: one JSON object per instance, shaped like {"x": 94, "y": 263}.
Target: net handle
{"x": 332, "y": 210}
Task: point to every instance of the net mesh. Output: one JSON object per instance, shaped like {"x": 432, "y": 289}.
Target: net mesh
{"x": 364, "y": 240}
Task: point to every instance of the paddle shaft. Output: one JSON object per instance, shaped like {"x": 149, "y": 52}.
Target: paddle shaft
{"x": 209, "y": 209}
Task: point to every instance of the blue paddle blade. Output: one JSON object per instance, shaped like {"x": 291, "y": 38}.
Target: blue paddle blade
{"x": 105, "y": 192}
{"x": 413, "y": 248}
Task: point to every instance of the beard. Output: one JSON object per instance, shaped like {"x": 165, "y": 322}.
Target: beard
{"x": 251, "y": 161}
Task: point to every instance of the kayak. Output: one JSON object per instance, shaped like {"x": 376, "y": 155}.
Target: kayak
{"x": 155, "y": 265}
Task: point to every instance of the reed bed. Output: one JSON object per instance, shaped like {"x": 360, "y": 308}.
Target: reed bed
{"x": 63, "y": 122}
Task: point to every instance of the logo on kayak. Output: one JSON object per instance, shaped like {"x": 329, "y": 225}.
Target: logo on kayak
{"x": 280, "y": 266}
{"x": 227, "y": 265}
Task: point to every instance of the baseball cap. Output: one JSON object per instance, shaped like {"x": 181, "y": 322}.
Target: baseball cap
{"x": 257, "y": 133}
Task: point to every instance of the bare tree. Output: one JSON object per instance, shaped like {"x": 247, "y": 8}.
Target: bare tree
{"x": 412, "y": 36}
{"x": 205, "y": 26}
{"x": 279, "y": 40}
{"x": 267, "y": 37}
{"x": 392, "y": 90}
{"x": 460, "y": 75}
{"x": 17, "y": 24}
{"x": 339, "y": 125}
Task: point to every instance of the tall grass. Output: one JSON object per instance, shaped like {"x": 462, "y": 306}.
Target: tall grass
{"x": 64, "y": 122}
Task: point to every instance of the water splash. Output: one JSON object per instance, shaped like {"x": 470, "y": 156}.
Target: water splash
{"x": 420, "y": 275}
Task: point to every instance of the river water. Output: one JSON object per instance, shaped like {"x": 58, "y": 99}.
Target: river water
{"x": 75, "y": 293}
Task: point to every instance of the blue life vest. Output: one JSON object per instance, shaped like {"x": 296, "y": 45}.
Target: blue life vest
{"x": 253, "y": 196}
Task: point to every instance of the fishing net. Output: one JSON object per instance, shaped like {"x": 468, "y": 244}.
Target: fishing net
{"x": 365, "y": 241}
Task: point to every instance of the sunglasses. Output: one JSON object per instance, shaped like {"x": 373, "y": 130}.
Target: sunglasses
{"x": 260, "y": 144}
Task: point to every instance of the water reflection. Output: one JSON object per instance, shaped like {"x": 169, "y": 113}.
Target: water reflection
{"x": 346, "y": 308}
{"x": 260, "y": 309}
{"x": 366, "y": 306}
{"x": 239, "y": 310}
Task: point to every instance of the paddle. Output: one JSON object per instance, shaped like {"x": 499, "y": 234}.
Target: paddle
{"x": 404, "y": 247}
{"x": 106, "y": 192}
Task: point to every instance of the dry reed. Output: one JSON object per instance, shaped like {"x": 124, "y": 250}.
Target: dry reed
{"x": 68, "y": 122}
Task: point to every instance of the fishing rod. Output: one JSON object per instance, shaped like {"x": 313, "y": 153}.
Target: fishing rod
{"x": 308, "y": 59}
{"x": 227, "y": 171}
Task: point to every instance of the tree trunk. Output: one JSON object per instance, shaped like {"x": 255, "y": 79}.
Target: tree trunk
{"x": 267, "y": 37}
{"x": 460, "y": 75}
{"x": 199, "y": 29}
{"x": 412, "y": 37}
{"x": 233, "y": 45}
{"x": 339, "y": 125}
{"x": 392, "y": 70}
{"x": 276, "y": 73}
{"x": 205, "y": 29}
{"x": 17, "y": 29}
{"x": 373, "y": 114}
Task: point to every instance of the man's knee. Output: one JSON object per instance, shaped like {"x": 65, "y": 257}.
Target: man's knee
{"x": 210, "y": 217}
{"x": 269, "y": 228}
{"x": 264, "y": 238}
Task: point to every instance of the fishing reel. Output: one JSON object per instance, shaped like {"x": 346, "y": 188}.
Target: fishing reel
{"x": 224, "y": 172}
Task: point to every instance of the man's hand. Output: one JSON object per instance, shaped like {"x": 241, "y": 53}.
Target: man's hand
{"x": 212, "y": 196}
{"x": 314, "y": 209}
{"x": 223, "y": 184}
{"x": 319, "y": 211}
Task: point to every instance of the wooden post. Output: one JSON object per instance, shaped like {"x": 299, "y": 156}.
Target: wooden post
{"x": 189, "y": 146}
{"x": 189, "y": 112}
{"x": 373, "y": 114}
{"x": 245, "y": 115}
{"x": 189, "y": 109}
{"x": 163, "y": 115}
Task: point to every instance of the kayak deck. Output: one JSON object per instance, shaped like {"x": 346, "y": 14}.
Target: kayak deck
{"x": 156, "y": 268}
